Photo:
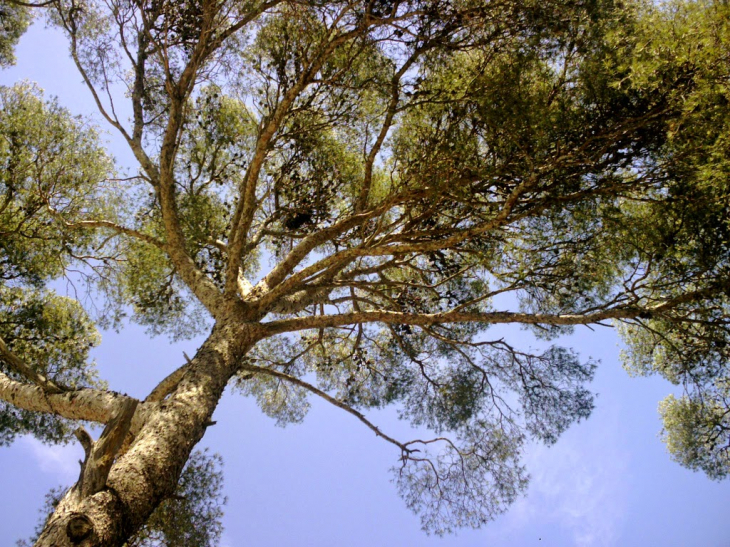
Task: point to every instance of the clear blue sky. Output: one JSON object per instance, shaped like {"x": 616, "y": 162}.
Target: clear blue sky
{"x": 607, "y": 482}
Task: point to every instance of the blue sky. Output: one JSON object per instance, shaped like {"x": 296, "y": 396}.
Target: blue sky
{"x": 607, "y": 482}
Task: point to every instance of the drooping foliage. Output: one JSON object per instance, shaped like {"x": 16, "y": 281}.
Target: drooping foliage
{"x": 54, "y": 174}
{"x": 55, "y": 334}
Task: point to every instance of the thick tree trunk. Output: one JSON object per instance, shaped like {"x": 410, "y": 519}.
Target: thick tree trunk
{"x": 149, "y": 470}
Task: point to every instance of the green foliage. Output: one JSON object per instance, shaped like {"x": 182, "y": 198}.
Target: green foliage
{"x": 402, "y": 162}
{"x": 52, "y": 332}
{"x": 55, "y": 334}
{"x": 219, "y": 138}
{"x": 14, "y": 21}
{"x": 468, "y": 485}
{"x": 16, "y": 422}
{"x": 684, "y": 231}
{"x": 317, "y": 166}
{"x": 146, "y": 282}
{"x": 607, "y": 102}
{"x": 281, "y": 400}
{"x": 54, "y": 173}
{"x": 192, "y": 517}
{"x": 697, "y": 431}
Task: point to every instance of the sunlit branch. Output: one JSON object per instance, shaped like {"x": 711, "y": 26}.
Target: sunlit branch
{"x": 382, "y": 248}
{"x": 246, "y": 206}
{"x": 194, "y": 278}
{"x": 310, "y": 242}
{"x": 169, "y": 383}
{"x": 133, "y": 141}
{"x": 88, "y": 404}
{"x": 392, "y": 317}
{"x": 70, "y": 27}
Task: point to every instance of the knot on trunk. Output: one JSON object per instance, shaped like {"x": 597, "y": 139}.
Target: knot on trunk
{"x": 79, "y": 527}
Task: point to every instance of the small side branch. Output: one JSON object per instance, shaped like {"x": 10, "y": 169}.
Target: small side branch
{"x": 169, "y": 383}
{"x": 116, "y": 228}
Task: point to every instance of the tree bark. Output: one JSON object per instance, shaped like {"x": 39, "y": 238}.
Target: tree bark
{"x": 149, "y": 470}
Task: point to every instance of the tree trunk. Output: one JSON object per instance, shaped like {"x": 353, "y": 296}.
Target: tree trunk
{"x": 149, "y": 470}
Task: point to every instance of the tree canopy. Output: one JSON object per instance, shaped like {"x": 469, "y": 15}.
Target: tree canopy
{"x": 347, "y": 196}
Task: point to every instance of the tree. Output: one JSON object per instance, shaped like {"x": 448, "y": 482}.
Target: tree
{"x": 348, "y": 195}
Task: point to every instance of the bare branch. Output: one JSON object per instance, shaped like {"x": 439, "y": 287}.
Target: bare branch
{"x": 340, "y": 404}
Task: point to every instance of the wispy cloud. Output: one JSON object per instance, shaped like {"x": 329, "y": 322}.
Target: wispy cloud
{"x": 580, "y": 484}
{"x": 61, "y": 461}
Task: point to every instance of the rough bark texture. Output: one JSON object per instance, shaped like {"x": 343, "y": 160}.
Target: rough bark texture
{"x": 100, "y": 455}
{"x": 148, "y": 472}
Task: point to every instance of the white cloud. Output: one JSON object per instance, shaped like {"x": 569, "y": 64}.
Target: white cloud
{"x": 61, "y": 461}
{"x": 580, "y": 484}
